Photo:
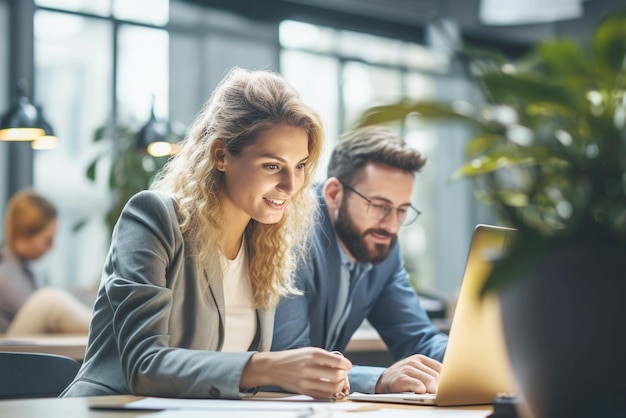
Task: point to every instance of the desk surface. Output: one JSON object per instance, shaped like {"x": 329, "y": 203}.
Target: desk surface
{"x": 79, "y": 408}
{"x": 73, "y": 345}
{"x": 70, "y": 345}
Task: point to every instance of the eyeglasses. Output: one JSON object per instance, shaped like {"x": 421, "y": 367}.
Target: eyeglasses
{"x": 378, "y": 210}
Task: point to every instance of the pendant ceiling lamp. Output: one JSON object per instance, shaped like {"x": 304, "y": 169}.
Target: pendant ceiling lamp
{"x": 517, "y": 12}
{"x": 156, "y": 137}
{"x": 25, "y": 122}
{"x": 21, "y": 122}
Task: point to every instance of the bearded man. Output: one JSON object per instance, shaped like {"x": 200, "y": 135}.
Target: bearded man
{"x": 355, "y": 269}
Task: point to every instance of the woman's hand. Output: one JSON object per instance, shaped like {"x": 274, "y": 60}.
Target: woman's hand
{"x": 346, "y": 385}
{"x": 310, "y": 371}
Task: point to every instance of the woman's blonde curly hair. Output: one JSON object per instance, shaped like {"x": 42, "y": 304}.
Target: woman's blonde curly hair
{"x": 244, "y": 105}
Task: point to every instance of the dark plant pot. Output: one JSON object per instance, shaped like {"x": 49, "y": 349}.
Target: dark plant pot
{"x": 565, "y": 329}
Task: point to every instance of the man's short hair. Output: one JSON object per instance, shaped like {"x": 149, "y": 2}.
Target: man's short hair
{"x": 372, "y": 144}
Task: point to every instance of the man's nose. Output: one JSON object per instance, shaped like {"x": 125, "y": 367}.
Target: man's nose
{"x": 391, "y": 222}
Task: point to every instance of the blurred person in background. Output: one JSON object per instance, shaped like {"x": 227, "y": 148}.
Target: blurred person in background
{"x": 27, "y": 306}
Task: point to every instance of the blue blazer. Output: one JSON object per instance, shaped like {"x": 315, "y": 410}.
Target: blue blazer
{"x": 383, "y": 295}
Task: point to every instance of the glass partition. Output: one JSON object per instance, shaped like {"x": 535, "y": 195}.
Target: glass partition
{"x": 74, "y": 82}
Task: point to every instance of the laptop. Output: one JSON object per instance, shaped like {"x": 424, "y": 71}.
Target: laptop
{"x": 476, "y": 366}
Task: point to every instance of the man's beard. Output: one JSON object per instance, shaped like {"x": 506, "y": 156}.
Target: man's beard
{"x": 355, "y": 241}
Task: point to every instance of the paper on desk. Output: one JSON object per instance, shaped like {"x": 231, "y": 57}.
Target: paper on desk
{"x": 416, "y": 412}
{"x": 293, "y": 403}
{"x": 195, "y": 413}
{"x": 380, "y": 413}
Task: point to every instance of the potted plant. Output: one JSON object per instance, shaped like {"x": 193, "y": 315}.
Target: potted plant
{"x": 549, "y": 151}
{"x": 130, "y": 168}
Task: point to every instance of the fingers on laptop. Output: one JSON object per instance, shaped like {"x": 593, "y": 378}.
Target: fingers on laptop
{"x": 417, "y": 373}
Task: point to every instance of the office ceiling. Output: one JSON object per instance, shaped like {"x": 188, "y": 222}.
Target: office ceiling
{"x": 407, "y": 19}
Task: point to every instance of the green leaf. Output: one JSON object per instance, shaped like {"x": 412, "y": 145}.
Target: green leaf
{"x": 400, "y": 111}
{"x": 79, "y": 225}
{"x": 481, "y": 143}
{"x": 563, "y": 59}
{"x": 508, "y": 88}
{"x": 609, "y": 41}
{"x": 100, "y": 133}
{"x": 513, "y": 198}
{"x": 488, "y": 164}
{"x": 91, "y": 170}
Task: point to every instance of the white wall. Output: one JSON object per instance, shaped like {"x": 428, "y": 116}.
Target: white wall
{"x": 204, "y": 44}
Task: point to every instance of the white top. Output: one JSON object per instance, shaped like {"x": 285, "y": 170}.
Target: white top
{"x": 240, "y": 323}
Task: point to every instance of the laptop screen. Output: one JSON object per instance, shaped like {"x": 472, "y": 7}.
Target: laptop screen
{"x": 476, "y": 366}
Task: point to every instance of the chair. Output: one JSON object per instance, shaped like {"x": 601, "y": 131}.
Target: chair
{"x": 35, "y": 375}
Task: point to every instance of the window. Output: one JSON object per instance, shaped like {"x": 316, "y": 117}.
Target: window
{"x": 341, "y": 74}
{"x": 102, "y": 61}
{"x": 92, "y": 68}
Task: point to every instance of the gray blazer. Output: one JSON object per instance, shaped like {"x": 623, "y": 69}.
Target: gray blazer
{"x": 157, "y": 327}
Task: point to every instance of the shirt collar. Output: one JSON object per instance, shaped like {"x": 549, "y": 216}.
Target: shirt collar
{"x": 350, "y": 265}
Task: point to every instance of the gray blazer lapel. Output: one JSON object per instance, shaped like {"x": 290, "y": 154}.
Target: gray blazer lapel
{"x": 216, "y": 290}
{"x": 266, "y": 316}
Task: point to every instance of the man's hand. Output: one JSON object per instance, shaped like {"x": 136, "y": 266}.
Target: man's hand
{"x": 418, "y": 373}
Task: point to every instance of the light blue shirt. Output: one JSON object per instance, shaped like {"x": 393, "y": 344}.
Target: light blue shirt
{"x": 351, "y": 273}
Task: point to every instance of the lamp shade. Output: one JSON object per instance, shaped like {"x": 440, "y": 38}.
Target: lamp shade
{"x": 21, "y": 122}
{"x": 516, "y": 12}
{"x": 153, "y": 131}
{"x": 157, "y": 138}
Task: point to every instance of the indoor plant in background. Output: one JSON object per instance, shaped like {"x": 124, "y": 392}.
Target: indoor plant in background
{"x": 549, "y": 151}
{"x": 130, "y": 168}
